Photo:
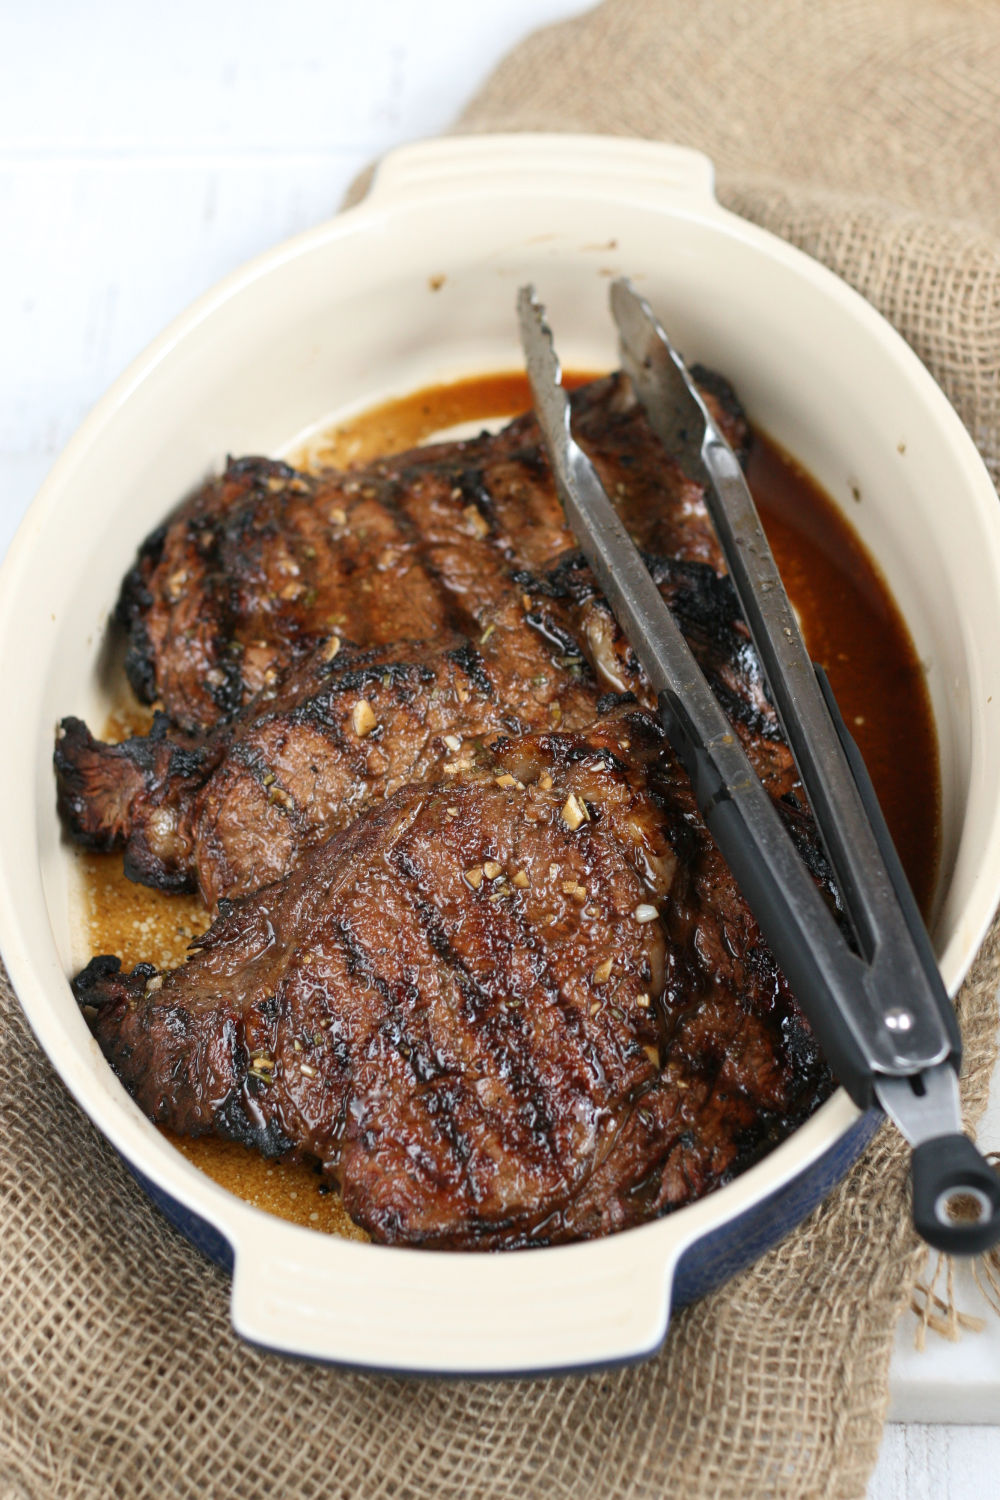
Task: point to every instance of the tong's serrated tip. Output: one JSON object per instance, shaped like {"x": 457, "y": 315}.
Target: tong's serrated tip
{"x": 544, "y": 368}
{"x": 661, "y": 379}
{"x": 636, "y": 322}
{"x": 531, "y": 312}
{"x": 625, "y": 300}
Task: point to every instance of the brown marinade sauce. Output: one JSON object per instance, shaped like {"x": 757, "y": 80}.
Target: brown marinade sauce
{"x": 851, "y": 626}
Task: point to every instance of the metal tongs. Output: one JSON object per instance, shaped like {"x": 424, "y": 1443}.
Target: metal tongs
{"x": 878, "y": 1006}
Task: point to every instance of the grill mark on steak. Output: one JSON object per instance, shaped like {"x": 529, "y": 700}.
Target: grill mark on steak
{"x": 484, "y": 999}
{"x": 393, "y": 1029}
{"x": 458, "y": 615}
{"x": 482, "y": 1004}
{"x": 475, "y": 995}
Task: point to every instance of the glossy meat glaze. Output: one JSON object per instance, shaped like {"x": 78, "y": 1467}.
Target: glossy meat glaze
{"x": 519, "y": 1006}
{"x": 484, "y": 964}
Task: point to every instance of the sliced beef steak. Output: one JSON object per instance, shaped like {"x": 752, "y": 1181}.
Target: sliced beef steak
{"x": 264, "y": 562}
{"x": 229, "y": 811}
{"x": 499, "y": 1010}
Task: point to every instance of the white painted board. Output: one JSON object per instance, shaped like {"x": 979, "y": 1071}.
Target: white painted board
{"x": 945, "y": 1381}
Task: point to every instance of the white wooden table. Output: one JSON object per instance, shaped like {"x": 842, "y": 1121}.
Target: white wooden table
{"x": 144, "y": 152}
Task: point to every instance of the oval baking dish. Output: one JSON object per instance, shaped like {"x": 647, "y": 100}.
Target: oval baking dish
{"x": 414, "y": 287}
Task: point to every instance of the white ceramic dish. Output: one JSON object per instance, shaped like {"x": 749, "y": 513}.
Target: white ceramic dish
{"x": 346, "y": 316}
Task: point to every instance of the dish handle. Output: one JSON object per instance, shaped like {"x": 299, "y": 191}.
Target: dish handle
{"x": 339, "y": 1302}
{"x": 596, "y": 166}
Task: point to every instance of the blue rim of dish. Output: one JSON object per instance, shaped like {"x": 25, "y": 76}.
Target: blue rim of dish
{"x": 713, "y": 1258}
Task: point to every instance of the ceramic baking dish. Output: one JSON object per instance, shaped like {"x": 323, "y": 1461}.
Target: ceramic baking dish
{"x": 415, "y": 286}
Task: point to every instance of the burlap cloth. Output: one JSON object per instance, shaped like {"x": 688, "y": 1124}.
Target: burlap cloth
{"x": 869, "y": 134}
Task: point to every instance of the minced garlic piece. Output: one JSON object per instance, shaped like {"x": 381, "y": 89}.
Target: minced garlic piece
{"x": 474, "y": 877}
{"x": 363, "y": 718}
{"x": 645, "y": 913}
{"x": 574, "y": 813}
{"x": 477, "y": 525}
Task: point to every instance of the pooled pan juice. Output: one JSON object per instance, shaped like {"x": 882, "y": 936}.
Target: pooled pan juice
{"x": 560, "y": 1020}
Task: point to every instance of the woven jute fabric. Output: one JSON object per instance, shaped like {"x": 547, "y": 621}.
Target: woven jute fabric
{"x": 868, "y": 134}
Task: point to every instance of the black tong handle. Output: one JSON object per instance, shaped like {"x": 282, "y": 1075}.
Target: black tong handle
{"x": 909, "y": 910}
{"x": 776, "y": 886}
{"x": 944, "y": 1168}
{"x": 898, "y": 1012}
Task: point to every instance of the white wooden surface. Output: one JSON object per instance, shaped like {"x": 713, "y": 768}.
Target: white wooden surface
{"x": 145, "y": 151}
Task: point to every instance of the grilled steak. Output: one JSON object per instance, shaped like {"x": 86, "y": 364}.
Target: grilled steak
{"x": 464, "y": 1008}
{"x": 476, "y": 955}
{"x": 231, "y": 810}
{"x": 260, "y": 565}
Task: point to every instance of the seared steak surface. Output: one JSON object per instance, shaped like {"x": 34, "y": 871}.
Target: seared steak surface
{"x": 260, "y": 565}
{"x": 228, "y": 811}
{"x": 475, "y": 955}
{"x": 499, "y": 1010}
